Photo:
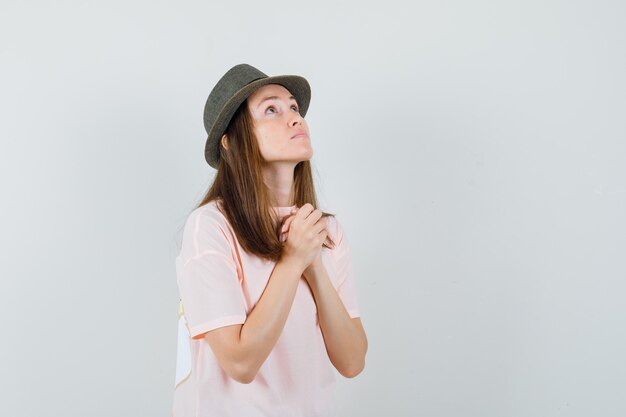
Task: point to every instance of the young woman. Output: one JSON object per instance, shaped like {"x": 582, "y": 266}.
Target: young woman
{"x": 265, "y": 277}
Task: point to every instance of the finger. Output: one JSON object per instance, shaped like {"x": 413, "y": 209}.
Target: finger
{"x": 322, "y": 237}
{"x": 304, "y": 211}
{"x": 314, "y": 216}
{"x": 320, "y": 227}
{"x": 287, "y": 222}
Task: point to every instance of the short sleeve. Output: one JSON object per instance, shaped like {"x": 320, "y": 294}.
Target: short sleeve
{"x": 207, "y": 280}
{"x": 342, "y": 256}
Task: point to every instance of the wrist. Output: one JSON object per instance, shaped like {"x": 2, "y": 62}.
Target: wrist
{"x": 293, "y": 264}
{"x": 314, "y": 270}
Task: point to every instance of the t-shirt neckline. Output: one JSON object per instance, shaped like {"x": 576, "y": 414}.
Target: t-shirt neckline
{"x": 282, "y": 210}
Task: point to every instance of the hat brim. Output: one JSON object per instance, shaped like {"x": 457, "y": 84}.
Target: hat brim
{"x": 297, "y": 85}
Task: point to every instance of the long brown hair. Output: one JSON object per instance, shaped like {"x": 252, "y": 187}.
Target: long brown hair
{"x": 246, "y": 200}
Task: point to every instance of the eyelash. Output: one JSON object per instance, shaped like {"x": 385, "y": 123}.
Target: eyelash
{"x": 272, "y": 107}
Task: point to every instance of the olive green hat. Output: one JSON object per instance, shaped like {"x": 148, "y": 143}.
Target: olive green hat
{"x": 233, "y": 89}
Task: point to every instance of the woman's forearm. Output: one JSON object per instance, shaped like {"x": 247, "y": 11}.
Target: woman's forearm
{"x": 266, "y": 321}
{"x": 345, "y": 339}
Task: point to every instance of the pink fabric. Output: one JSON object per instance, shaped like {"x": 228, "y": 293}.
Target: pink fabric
{"x": 219, "y": 285}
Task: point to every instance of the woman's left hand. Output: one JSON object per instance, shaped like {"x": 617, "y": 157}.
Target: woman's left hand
{"x": 311, "y": 271}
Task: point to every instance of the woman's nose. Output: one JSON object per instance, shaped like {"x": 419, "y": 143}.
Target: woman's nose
{"x": 296, "y": 119}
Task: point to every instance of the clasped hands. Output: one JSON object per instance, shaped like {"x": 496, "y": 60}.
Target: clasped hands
{"x": 312, "y": 271}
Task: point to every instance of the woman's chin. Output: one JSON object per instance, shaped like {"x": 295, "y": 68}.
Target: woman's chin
{"x": 303, "y": 154}
{"x": 308, "y": 155}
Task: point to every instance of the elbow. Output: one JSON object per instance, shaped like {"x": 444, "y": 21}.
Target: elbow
{"x": 354, "y": 370}
{"x": 243, "y": 374}
{"x": 244, "y": 379}
{"x": 356, "y": 366}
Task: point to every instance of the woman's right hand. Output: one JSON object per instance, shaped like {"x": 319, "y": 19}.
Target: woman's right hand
{"x": 305, "y": 235}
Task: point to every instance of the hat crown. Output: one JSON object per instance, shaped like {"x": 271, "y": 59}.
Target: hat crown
{"x": 232, "y": 81}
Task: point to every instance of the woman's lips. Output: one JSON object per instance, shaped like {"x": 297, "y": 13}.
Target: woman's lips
{"x": 300, "y": 135}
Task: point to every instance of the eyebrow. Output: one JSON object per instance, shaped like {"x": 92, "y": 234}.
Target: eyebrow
{"x": 274, "y": 97}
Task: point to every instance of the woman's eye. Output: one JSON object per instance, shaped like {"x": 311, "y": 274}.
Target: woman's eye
{"x": 293, "y": 107}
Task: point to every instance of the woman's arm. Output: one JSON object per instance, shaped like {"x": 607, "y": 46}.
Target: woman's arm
{"x": 241, "y": 349}
{"x": 345, "y": 339}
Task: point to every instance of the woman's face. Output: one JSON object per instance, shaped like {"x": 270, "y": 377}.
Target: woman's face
{"x": 276, "y": 120}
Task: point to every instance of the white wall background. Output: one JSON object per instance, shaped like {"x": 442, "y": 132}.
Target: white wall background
{"x": 475, "y": 152}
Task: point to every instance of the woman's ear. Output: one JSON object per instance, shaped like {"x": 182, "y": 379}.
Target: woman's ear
{"x": 225, "y": 141}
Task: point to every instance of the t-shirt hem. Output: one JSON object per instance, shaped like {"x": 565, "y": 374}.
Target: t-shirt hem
{"x": 202, "y": 328}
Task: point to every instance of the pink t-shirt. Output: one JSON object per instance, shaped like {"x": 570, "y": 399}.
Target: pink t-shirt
{"x": 219, "y": 285}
